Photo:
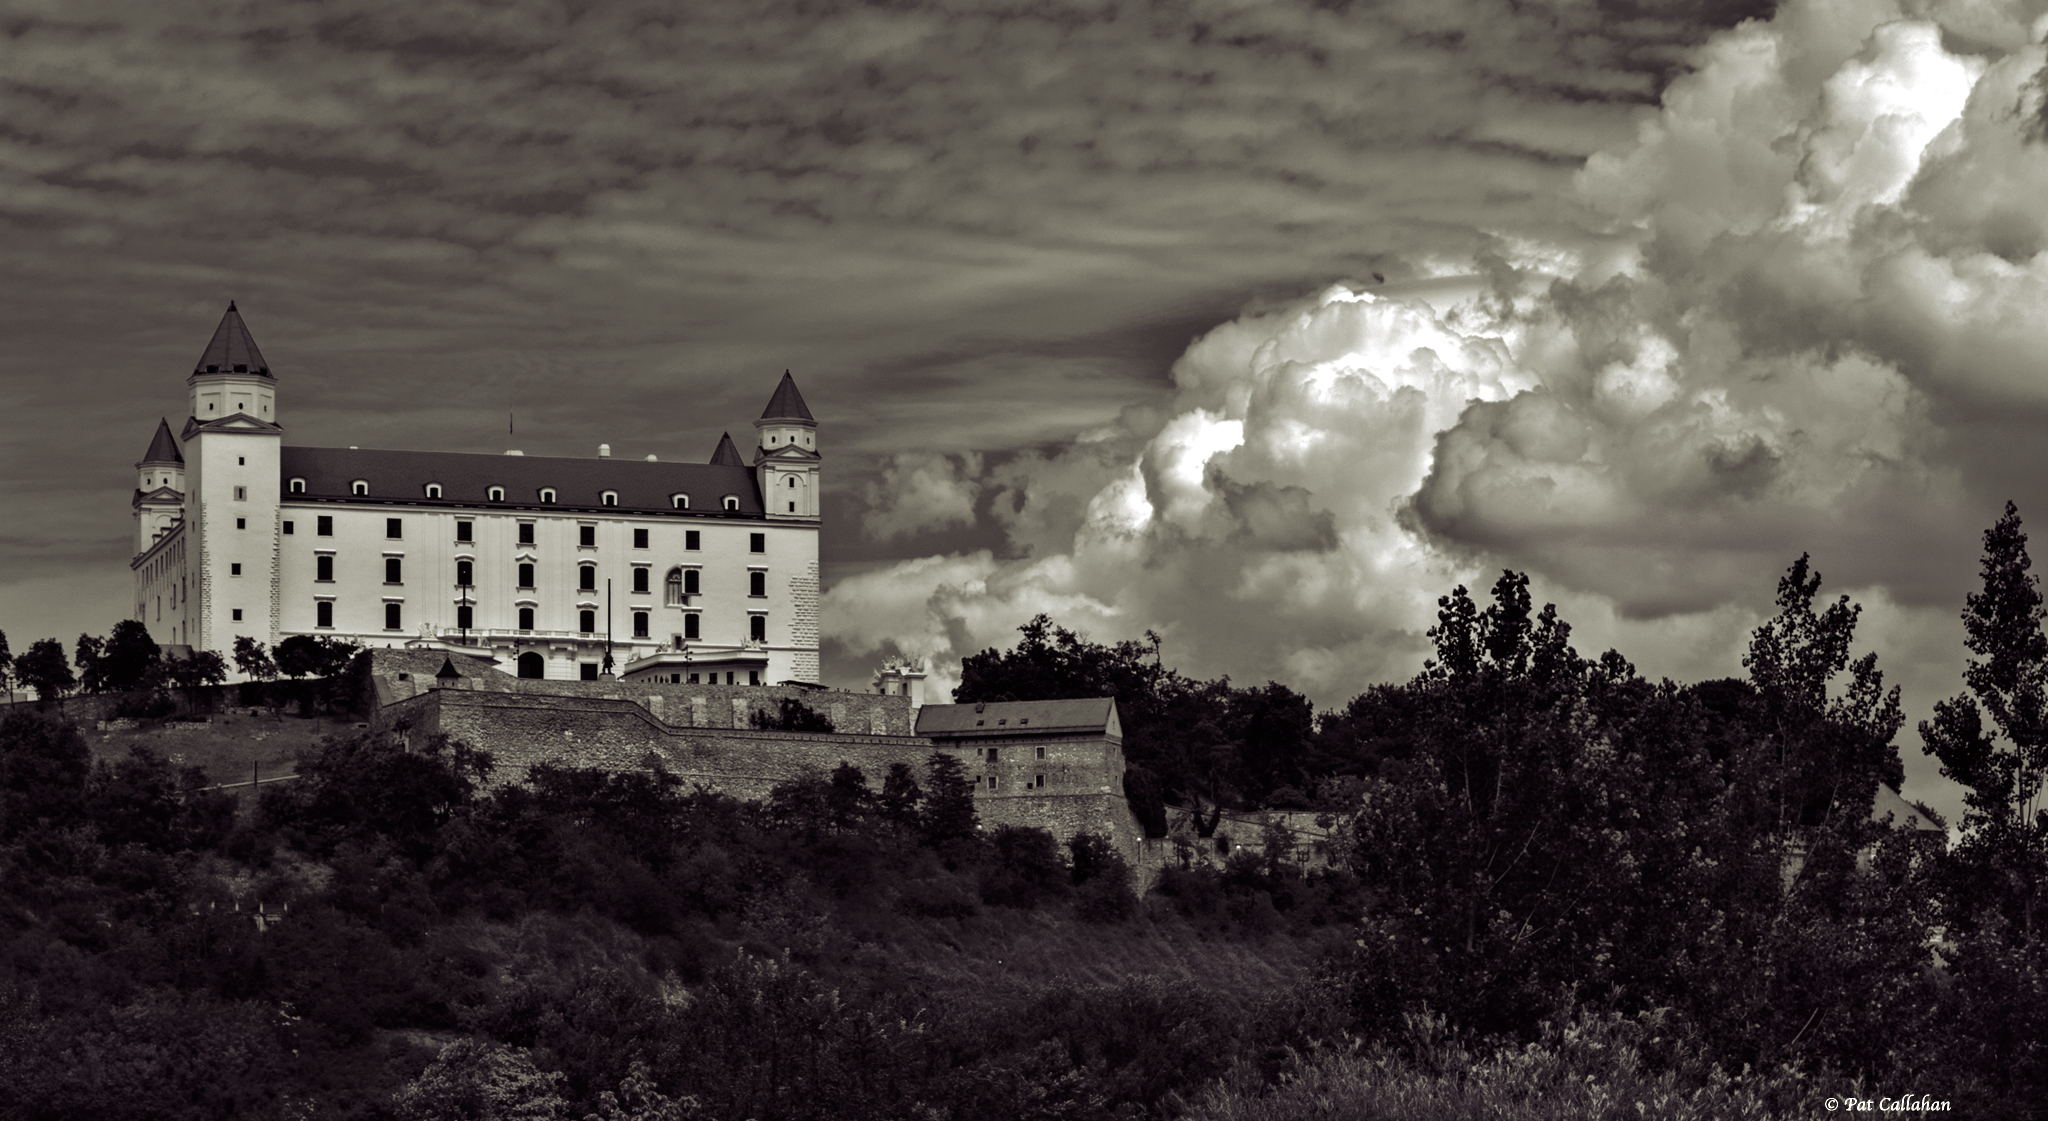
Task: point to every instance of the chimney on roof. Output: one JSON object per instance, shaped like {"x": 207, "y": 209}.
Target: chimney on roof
{"x": 513, "y": 451}
{"x": 604, "y": 451}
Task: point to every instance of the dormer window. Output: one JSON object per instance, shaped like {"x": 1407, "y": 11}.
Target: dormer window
{"x": 298, "y": 486}
{"x": 547, "y": 494}
{"x": 679, "y": 501}
{"x": 359, "y": 488}
{"x": 609, "y": 498}
{"x": 732, "y": 502}
{"x": 433, "y": 490}
{"x": 496, "y": 494}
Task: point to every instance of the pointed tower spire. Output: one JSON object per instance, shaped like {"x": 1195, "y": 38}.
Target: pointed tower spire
{"x": 232, "y": 350}
{"x": 164, "y": 447}
{"x": 728, "y": 454}
{"x": 787, "y": 404}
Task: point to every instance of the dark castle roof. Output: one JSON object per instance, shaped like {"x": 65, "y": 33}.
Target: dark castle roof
{"x": 787, "y": 404}
{"x": 164, "y": 447}
{"x": 727, "y": 454}
{"x": 466, "y": 479}
{"x": 1094, "y": 715}
{"x": 231, "y": 349}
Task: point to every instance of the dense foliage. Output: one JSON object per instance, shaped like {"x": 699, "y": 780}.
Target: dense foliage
{"x": 1553, "y": 889}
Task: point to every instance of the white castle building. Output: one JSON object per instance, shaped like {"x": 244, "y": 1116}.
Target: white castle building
{"x": 684, "y": 571}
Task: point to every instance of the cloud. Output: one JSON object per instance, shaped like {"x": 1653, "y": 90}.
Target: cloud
{"x": 921, "y": 491}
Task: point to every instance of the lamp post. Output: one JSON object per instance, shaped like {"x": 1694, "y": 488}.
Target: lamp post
{"x": 607, "y": 671}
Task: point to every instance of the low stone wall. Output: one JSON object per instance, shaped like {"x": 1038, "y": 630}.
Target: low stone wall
{"x": 522, "y": 729}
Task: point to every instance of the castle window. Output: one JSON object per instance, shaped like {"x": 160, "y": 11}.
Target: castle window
{"x": 792, "y": 482}
{"x": 393, "y": 570}
{"x": 757, "y": 585}
{"x": 586, "y": 621}
{"x": 692, "y": 540}
{"x": 241, "y": 523}
{"x": 433, "y": 490}
{"x": 731, "y": 503}
{"x": 693, "y": 679}
{"x": 547, "y": 494}
{"x": 465, "y": 616}
{"x": 324, "y": 525}
{"x": 586, "y": 536}
{"x": 391, "y": 616}
{"x": 359, "y": 487}
{"x": 464, "y": 573}
{"x": 757, "y": 627}
{"x": 679, "y": 501}
{"x": 1041, "y": 751}
{"x": 753, "y": 677}
{"x": 640, "y": 578}
{"x": 526, "y": 533}
{"x": 587, "y": 671}
{"x": 525, "y": 622}
{"x": 496, "y": 494}
{"x": 288, "y": 529}
{"x": 323, "y": 568}
{"x": 586, "y": 578}
{"x": 757, "y": 542}
{"x": 639, "y": 624}
{"x": 691, "y": 626}
{"x": 526, "y": 576}
{"x": 323, "y": 613}
{"x": 674, "y": 587}
{"x": 992, "y": 751}
{"x": 241, "y": 494}
{"x": 298, "y": 486}
{"x": 465, "y": 531}
{"x": 238, "y": 615}
{"x": 234, "y": 570}
{"x": 690, "y": 578}
{"x": 609, "y": 498}
{"x": 241, "y": 461}
{"x": 1041, "y": 782}
{"x": 639, "y": 539}
{"x": 394, "y": 528}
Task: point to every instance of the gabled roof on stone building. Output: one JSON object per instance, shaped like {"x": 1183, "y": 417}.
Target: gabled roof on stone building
{"x": 787, "y": 404}
{"x": 466, "y": 479}
{"x": 1094, "y": 715}
{"x": 164, "y": 447}
{"x": 727, "y": 454}
{"x": 231, "y": 349}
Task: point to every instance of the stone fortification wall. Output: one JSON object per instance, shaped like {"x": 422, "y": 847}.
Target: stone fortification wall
{"x": 402, "y": 674}
{"x": 522, "y": 728}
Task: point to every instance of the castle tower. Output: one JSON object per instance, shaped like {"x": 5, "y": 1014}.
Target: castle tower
{"x": 159, "y": 488}
{"x": 231, "y": 511}
{"x": 786, "y": 455}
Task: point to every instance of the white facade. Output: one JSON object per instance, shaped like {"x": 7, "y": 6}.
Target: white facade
{"x": 695, "y": 570}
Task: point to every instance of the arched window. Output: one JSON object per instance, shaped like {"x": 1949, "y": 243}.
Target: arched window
{"x": 359, "y": 487}
{"x": 731, "y": 502}
{"x": 674, "y": 586}
{"x": 433, "y": 490}
{"x": 532, "y": 665}
{"x": 690, "y": 576}
{"x": 586, "y": 621}
{"x": 526, "y": 624}
{"x": 465, "y": 573}
{"x": 526, "y": 576}
{"x": 586, "y": 578}
{"x": 609, "y": 498}
{"x": 298, "y": 486}
{"x": 497, "y": 494}
{"x": 757, "y": 584}
{"x": 679, "y": 501}
{"x": 547, "y": 494}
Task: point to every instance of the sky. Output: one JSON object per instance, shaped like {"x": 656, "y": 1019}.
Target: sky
{"x": 1257, "y": 325}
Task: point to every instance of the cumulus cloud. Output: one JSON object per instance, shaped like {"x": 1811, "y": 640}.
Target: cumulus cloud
{"x": 1782, "y": 304}
{"x": 921, "y": 491}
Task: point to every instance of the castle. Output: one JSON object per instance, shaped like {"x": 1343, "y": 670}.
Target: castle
{"x": 562, "y": 568}
{"x": 582, "y": 612}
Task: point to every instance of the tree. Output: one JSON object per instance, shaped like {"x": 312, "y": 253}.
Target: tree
{"x": 255, "y": 663}
{"x": 91, "y": 677}
{"x": 195, "y": 671}
{"x": 44, "y": 768}
{"x": 299, "y": 656}
{"x": 127, "y": 655}
{"x": 2005, "y": 838}
{"x": 900, "y": 796}
{"x": 45, "y": 669}
{"x": 472, "y": 1080}
{"x": 7, "y": 666}
{"x": 949, "y": 801}
{"x": 792, "y": 716}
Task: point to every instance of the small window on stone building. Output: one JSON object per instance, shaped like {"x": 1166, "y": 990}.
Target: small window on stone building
{"x": 640, "y": 579}
{"x": 1041, "y": 781}
{"x": 757, "y": 542}
{"x": 394, "y": 570}
{"x": 394, "y": 528}
{"x": 465, "y": 617}
{"x": 586, "y": 578}
{"x": 526, "y": 618}
{"x": 465, "y": 531}
{"x": 639, "y": 624}
{"x": 323, "y": 568}
{"x": 691, "y": 626}
{"x": 323, "y": 525}
{"x": 586, "y": 621}
{"x": 234, "y": 570}
{"x": 287, "y": 529}
{"x": 753, "y": 677}
{"x": 526, "y": 576}
{"x": 241, "y": 494}
{"x": 757, "y": 585}
{"x": 675, "y": 679}
{"x": 465, "y": 573}
{"x": 323, "y": 613}
{"x": 692, "y": 539}
{"x": 694, "y": 681}
{"x": 691, "y": 578}
{"x": 391, "y": 616}
{"x": 1041, "y": 751}
{"x": 639, "y": 539}
{"x": 757, "y": 628}
{"x": 238, "y": 614}
{"x": 586, "y": 536}
{"x": 587, "y": 671}
{"x": 991, "y": 754}
{"x": 526, "y": 533}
